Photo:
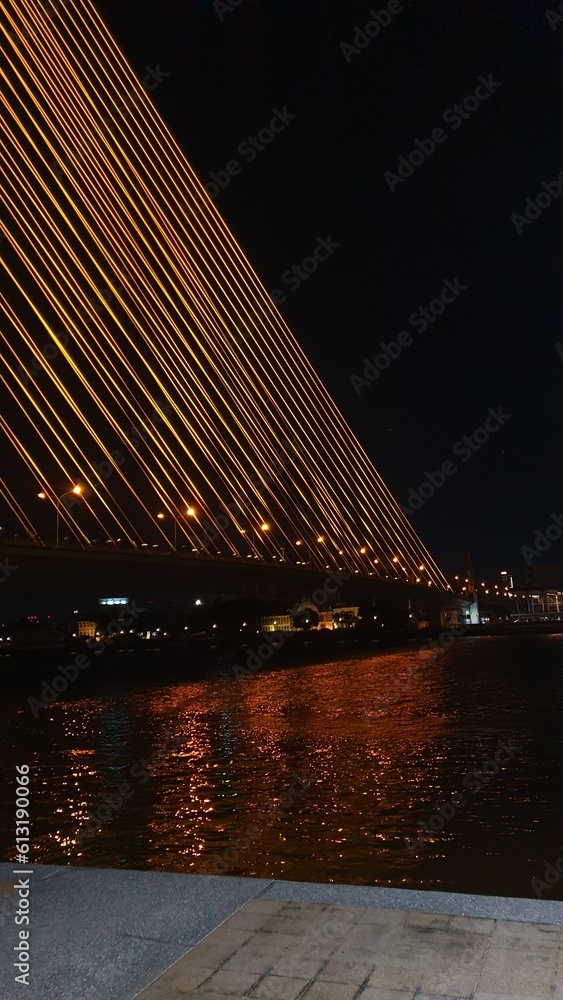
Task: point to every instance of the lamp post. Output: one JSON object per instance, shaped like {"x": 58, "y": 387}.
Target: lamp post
{"x": 77, "y": 490}
{"x": 162, "y": 517}
{"x": 190, "y": 512}
{"x": 254, "y": 532}
{"x": 308, "y": 547}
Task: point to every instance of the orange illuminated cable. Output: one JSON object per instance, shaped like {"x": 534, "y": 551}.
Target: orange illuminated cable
{"x": 395, "y": 534}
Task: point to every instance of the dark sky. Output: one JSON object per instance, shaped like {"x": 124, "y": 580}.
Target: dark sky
{"x": 323, "y": 175}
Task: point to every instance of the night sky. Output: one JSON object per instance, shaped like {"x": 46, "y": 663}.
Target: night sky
{"x": 322, "y": 176}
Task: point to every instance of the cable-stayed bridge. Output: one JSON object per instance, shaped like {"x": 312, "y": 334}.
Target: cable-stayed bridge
{"x": 151, "y": 387}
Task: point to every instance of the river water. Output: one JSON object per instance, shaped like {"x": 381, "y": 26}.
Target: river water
{"x": 328, "y": 772}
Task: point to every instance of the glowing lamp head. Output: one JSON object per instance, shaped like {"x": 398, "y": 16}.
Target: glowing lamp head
{"x": 42, "y": 496}
{"x": 363, "y": 551}
{"x": 321, "y": 538}
{"x": 161, "y": 516}
{"x": 190, "y": 512}
{"x": 264, "y": 527}
{"x": 395, "y": 559}
{"x": 77, "y": 490}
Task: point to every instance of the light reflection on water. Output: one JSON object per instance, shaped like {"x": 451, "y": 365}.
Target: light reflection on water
{"x": 385, "y": 739}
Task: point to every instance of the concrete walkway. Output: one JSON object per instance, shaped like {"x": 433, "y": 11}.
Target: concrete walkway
{"x": 108, "y": 934}
{"x": 271, "y": 950}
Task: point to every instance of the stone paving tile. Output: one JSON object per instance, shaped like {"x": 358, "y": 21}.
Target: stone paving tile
{"x": 436, "y": 921}
{"x": 347, "y": 914}
{"x": 179, "y": 981}
{"x": 511, "y": 996}
{"x": 517, "y": 972}
{"x": 456, "y": 964}
{"x": 196, "y": 996}
{"x": 302, "y": 965}
{"x": 436, "y": 996}
{"x": 219, "y": 946}
{"x": 385, "y": 918}
{"x": 260, "y": 953}
{"x": 275, "y": 950}
{"x": 375, "y": 994}
{"x": 520, "y": 934}
{"x": 330, "y": 991}
{"x": 405, "y": 950}
{"x": 269, "y": 906}
{"x": 338, "y": 971}
{"x": 476, "y": 925}
{"x": 232, "y": 982}
{"x": 251, "y": 920}
{"x": 290, "y": 924}
{"x": 389, "y": 977}
{"x": 279, "y": 988}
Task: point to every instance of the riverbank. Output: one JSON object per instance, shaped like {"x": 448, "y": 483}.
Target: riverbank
{"x": 109, "y": 934}
{"x": 206, "y": 652}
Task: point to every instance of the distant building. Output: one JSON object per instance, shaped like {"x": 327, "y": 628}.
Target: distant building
{"x": 540, "y": 604}
{"x": 277, "y": 623}
{"x": 86, "y": 629}
{"x": 339, "y": 618}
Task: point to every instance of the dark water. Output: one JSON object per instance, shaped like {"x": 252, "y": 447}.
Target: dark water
{"x": 384, "y": 740}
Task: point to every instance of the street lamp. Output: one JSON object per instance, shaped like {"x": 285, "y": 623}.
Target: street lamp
{"x": 162, "y": 517}
{"x": 190, "y": 512}
{"x": 299, "y": 542}
{"x": 77, "y": 490}
{"x": 263, "y": 527}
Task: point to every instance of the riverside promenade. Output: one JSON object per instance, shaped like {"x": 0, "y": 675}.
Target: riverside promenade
{"x": 119, "y": 935}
